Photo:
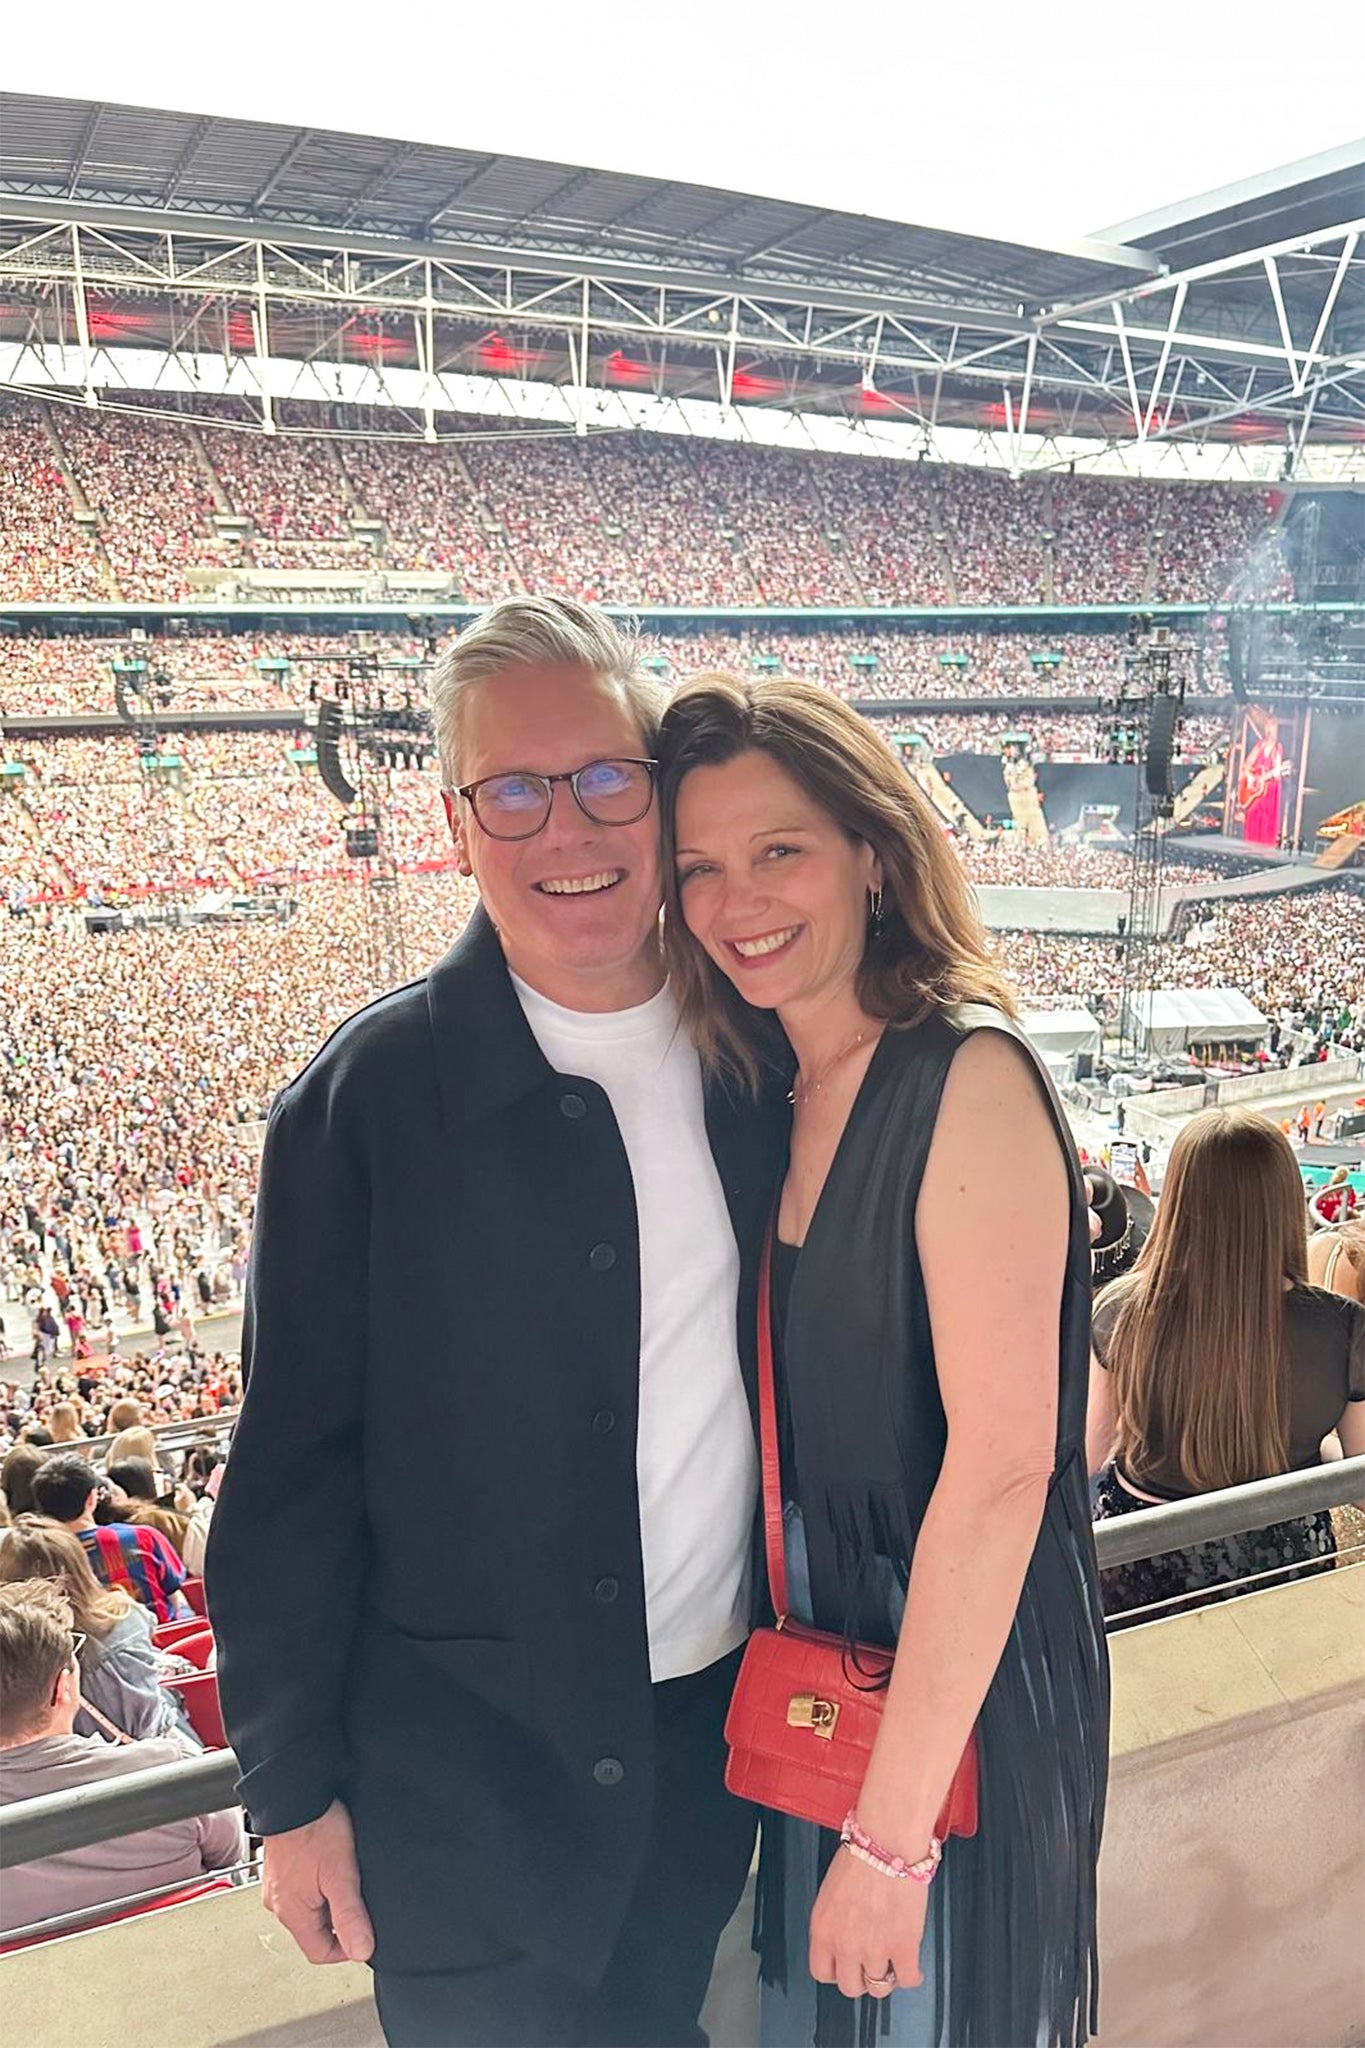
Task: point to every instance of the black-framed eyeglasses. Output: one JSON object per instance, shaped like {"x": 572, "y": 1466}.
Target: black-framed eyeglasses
{"x": 517, "y": 805}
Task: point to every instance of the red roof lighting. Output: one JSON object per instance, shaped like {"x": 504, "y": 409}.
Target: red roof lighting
{"x": 622, "y": 370}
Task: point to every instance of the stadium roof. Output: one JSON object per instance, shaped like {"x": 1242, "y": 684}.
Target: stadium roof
{"x": 1241, "y": 314}
{"x": 252, "y": 171}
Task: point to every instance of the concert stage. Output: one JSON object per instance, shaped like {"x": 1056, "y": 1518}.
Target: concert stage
{"x": 1094, "y": 912}
{"x": 1223, "y": 848}
{"x": 1285, "y": 878}
{"x": 1097, "y": 912}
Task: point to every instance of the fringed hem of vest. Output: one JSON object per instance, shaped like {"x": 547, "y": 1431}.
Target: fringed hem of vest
{"x": 1017, "y": 1947}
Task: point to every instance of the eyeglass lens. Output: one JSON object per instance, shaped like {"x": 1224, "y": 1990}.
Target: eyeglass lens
{"x": 608, "y": 792}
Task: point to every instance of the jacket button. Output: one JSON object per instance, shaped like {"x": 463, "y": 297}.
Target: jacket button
{"x": 602, "y": 1258}
{"x": 604, "y": 1422}
{"x": 605, "y": 1591}
{"x": 572, "y": 1106}
{"x": 609, "y": 1770}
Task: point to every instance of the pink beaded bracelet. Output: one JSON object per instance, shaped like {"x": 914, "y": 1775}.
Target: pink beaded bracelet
{"x": 859, "y": 1843}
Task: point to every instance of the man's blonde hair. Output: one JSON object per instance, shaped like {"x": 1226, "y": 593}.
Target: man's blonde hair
{"x": 540, "y": 632}
{"x": 36, "y": 1640}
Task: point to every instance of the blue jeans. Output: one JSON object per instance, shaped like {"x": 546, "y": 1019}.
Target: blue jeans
{"x": 787, "y": 2018}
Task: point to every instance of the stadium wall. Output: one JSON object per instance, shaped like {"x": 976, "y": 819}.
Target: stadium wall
{"x": 1234, "y": 1845}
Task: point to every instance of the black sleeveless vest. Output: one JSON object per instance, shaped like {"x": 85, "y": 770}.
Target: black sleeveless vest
{"x": 1018, "y": 1962}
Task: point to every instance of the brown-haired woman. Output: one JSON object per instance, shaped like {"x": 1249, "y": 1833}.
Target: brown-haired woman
{"x": 932, "y": 1419}
{"x": 1216, "y": 1363}
{"x": 120, "y": 1665}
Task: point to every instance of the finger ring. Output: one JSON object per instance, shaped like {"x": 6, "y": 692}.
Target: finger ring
{"x": 879, "y": 1983}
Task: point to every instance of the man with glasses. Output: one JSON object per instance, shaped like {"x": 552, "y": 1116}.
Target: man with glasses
{"x": 476, "y": 1676}
{"x": 40, "y": 1752}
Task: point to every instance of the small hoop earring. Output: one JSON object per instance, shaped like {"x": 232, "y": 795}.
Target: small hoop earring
{"x": 876, "y": 900}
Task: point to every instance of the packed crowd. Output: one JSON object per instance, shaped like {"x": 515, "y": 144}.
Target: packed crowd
{"x": 234, "y": 809}
{"x": 150, "y": 493}
{"x": 225, "y": 810}
{"x": 79, "y": 1390}
{"x": 1299, "y": 958}
{"x": 133, "y": 1067}
{"x": 1048, "y": 735}
{"x": 68, "y": 673}
{"x": 1014, "y": 863}
{"x": 45, "y": 556}
{"x": 638, "y": 520}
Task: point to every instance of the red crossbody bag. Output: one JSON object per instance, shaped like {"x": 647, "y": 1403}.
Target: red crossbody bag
{"x": 806, "y": 1708}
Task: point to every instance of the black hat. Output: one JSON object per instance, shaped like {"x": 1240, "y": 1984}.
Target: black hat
{"x": 1126, "y": 1216}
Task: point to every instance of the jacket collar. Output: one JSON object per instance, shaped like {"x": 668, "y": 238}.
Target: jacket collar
{"x": 486, "y": 1052}
{"x": 487, "y": 1057}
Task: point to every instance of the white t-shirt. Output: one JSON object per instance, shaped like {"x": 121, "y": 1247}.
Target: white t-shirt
{"x": 695, "y": 1460}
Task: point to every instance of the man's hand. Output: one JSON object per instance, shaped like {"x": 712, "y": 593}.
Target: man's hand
{"x": 312, "y": 1886}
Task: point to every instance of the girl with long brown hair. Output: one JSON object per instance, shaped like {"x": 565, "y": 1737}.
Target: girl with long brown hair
{"x": 931, "y": 1378}
{"x": 1215, "y": 1362}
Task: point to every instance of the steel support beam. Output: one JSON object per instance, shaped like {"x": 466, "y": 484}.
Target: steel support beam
{"x": 92, "y": 122}
{"x": 187, "y": 155}
{"x": 1101, "y": 368}
{"x": 82, "y": 315}
{"x": 289, "y": 157}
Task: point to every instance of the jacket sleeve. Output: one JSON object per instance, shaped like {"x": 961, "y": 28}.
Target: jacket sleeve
{"x": 288, "y": 1544}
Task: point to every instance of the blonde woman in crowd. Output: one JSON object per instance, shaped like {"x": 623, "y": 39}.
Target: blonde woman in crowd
{"x": 121, "y": 1668}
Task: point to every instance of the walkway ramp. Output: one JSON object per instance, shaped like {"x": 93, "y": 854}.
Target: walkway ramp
{"x": 945, "y": 800}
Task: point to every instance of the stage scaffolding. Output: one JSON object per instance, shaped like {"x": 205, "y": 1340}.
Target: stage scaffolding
{"x": 1154, "y": 692}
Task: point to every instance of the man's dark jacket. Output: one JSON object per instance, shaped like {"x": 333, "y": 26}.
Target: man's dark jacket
{"x": 424, "y": 1568}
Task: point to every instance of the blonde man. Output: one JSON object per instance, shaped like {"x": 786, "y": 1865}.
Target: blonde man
{"x": 476, "y": 1673}
{"x": 40, "y": 1752}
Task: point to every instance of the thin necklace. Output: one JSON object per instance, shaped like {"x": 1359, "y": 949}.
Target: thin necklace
{"x": 801, "y": 1091}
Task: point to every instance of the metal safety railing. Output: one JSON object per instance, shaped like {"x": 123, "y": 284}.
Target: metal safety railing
{"x": 179, "y": 1435}
{"x": 1233, "y": 1511}
{"x": 62, "y": 1821}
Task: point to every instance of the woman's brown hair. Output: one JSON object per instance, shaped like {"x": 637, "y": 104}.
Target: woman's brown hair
{"x": 21, "y": 1461}
{"x": 36, "y": 1548}
{"x": 1196, "y": 1350}
{"x": 930, "y": 949}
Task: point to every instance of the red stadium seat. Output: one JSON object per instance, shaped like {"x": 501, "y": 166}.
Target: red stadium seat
{"x": 180, "y": 1897}
{"x": 197, "y": 1647}
{"x": 167, "y": 1635}
{"x": 200, "y": 1696}
{"x": 193, "y": 1590}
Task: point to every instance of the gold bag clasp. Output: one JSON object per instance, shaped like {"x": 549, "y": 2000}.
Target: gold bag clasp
{"x": 808, "y": 1710}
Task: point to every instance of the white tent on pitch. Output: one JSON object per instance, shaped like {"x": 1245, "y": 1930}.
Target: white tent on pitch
{"x": 1170, "y": 1019}
{"x": 1058, "y": 1034}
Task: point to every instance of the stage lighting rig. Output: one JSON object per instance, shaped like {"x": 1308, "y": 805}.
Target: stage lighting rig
{"x": 369, "y": 724}
{"x": 1151, "y": 701}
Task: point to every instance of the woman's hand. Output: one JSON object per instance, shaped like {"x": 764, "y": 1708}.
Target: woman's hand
{"x": 866, "y": 1929}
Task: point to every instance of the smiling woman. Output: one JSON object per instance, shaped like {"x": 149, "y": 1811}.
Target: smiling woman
{"x": 930, "y": 1389}
{"x": 755, "y": 886}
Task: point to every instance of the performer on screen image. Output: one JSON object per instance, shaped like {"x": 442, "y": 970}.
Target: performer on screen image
{"x": 1259, "y": 792}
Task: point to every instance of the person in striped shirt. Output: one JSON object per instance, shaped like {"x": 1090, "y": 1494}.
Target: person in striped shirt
{"x": 129, "y": 1555}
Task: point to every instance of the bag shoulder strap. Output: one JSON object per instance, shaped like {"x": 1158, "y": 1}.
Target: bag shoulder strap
{"x": 773, "y": 1532}
{"x": 100, "y": 1720}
